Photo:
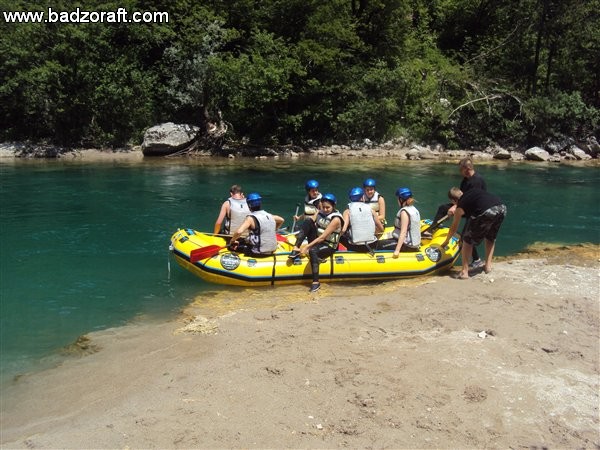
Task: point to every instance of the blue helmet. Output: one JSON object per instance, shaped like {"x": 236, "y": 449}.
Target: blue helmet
{"x": 311, "y": 184}
{"x": 254, "y": 200}
{"x": 355, "y": 194}
{"x": 330, "y": 198}
{"x": 369, "y": 182}
{"x": 403, "y": 193}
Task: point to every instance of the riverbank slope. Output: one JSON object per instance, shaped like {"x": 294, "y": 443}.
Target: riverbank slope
{"x": 508, "y": 359}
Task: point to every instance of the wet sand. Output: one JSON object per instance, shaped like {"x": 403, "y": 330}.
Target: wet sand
{"x": 508, "y": 359}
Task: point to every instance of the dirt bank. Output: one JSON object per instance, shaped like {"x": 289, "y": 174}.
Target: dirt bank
{"x": 504, "y": 360}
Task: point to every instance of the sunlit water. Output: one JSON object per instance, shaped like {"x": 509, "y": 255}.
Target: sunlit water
{"x": 84, "y": 246}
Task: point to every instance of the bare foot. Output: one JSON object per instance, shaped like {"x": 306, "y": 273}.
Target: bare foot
{"x": 463, "y": 276}
{"x": 487, "y": 269}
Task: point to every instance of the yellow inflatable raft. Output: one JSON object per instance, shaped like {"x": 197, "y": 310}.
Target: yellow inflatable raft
{"x": 206, "y": 256}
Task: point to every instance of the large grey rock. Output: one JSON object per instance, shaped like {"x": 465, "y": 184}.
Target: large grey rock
{"x": 427, "y": 153}
{"x": 537, "y": 154}
{"x": 593, "y": 146}
{"x": 168, "y": 138}
{"x": 501, "y": 153}
{"x": 497, "y": 152}
{"x": 413, "y": 154}
{"x": 578, "y": 153}
{"x": 557, "y": 145}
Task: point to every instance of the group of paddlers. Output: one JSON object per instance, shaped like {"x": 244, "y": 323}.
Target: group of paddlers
{"x": 321, "y": 228}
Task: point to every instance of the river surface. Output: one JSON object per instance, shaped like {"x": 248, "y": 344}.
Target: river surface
{"x": 84, "y": 245}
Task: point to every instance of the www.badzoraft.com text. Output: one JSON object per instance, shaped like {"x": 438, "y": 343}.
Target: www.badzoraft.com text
{"x": 121, "y": 15}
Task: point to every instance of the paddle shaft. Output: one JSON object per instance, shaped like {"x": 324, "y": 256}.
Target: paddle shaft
{"x": 295, "y": 215}
{"x": 433, "y": 225}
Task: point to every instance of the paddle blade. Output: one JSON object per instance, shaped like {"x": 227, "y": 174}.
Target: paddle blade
{"x": 209, "y": 251}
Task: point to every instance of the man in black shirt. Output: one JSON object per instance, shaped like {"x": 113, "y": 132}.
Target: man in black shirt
{"x": 485, "y": 213}
{"x": 471, "y": 180}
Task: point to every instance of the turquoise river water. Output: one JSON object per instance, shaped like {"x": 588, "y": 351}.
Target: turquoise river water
{"x": 84, "y": 246}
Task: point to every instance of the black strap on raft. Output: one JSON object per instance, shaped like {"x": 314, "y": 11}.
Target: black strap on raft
{"x": 273, "y": 273}
{"x": 331, "y": 265}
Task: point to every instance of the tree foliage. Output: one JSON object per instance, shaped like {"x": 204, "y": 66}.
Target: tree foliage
{"x": 459, "y": 72}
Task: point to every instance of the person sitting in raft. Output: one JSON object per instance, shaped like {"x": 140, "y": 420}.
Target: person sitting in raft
{"x": 262, "y": 227}
{"x": 407, "y": 226}
{"x": 322, "y": 232}
{"x": 374, "y": 199}
{"x": 485, "y": 213}
{"x": 361, "y": 223}
{"x": 313, "y": 196}
{"x": 233, "y": 212}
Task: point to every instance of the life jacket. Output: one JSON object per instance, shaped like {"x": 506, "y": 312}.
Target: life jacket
{"x": 238, "y": 211}
{"x": 362, "y": 225}
{"x": 323, "y": 222}
{"x": 373, "y": 202}
{"x": 262, "y": 237}
{"x": 309, "y": 205}
{"x": 413, "y": 233}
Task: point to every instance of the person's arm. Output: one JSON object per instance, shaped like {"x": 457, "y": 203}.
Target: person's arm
{"x": 278, "y": 221}
{"x": 378, "y": 225}
{"x": 455, "y": 223}
{"x": 381, "y": 213}
{"x": 222, "y": 214}
{"x": 346, "y": 215}
{"x": 404, "y": 220}
{"x": 247, "y": 223}
{"x": 333, "y": 225}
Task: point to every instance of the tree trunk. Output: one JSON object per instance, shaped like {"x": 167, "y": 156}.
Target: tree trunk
{"x": 549, "y": 65}
{"x": 538, "y": 46}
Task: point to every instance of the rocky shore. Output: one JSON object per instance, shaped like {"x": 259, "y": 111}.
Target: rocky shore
{"x": 564, "y": 151}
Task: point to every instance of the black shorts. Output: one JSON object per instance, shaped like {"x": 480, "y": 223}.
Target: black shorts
{"x": 484, "y": 226}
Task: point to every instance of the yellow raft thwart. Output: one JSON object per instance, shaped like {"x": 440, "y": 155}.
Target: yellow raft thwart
{"x": 229, "y": 267}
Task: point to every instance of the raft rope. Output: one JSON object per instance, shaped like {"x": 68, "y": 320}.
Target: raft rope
{"x": 169, "y": 262}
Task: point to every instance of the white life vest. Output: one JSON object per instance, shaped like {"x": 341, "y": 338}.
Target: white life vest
{"x": 238, "y": 211}
{"x": 309, "y": 205}
{"x": 323, "y": 222}
{"x": 362, "y": 224}
{"x": 262, "y": 237}
{"x": 413, "y": 232}
{"x": 373, "y": 202}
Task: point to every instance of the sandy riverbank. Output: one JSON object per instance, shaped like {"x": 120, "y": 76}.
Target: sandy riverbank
{"x": 504, "y": 360}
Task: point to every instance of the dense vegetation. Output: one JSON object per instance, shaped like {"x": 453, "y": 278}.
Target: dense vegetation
{"x": 459, "y": 72}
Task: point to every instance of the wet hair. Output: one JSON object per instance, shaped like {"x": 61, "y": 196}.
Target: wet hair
{"x": 235, "y": 189}
{"x": 454, "y": 194}
{"x": 466, "y": 163}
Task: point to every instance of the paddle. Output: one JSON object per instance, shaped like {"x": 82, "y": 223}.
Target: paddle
{"x": 433, "y": 225}
{"x": 295, "y": 214}
{"x": 209, "y": 251}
